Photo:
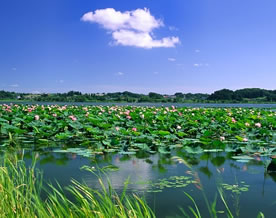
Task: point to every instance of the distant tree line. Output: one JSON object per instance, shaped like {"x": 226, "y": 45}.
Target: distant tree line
{"x": 243, "y": 95}
{"x": 224, "y": 95}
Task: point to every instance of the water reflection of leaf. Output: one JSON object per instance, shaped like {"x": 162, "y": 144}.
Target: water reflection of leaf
{"x": 272, "y": 175}
{"x": 62, "y": 161}
{"x": 191, "y": 160}
{"x": 160, "y": 168}
{"x": 47, "y": 159}
{"x": 218, "y": 161}
{"x": 165, "y": 160}
{"x": 149, "y": 161}
{"x": 206, "y": 171}
{"x": 142, "y": 155}
{"x": 125, "y": 158}
{"x": 233, "y": 165}
{"x": 272, "y": 166}
{"x": 205, "y": 156}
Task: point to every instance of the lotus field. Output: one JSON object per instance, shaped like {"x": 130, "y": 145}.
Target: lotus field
{"x": 129, "y": 129}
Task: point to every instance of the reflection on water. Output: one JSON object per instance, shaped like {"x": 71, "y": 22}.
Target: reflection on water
{"x": 249, "y": 186}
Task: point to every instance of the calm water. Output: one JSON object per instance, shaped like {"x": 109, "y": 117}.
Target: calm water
{"x": 151, "y": 104}
{"x": 150, "y": 172}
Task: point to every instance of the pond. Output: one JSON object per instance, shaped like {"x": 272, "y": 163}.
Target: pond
{"x": 177, "y": 158}
{"x": 247, "y": 185}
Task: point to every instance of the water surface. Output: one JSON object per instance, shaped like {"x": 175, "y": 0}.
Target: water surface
{"x": 163, "y": 181}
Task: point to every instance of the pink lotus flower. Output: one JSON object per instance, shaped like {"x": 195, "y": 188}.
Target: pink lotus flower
{"x": 54, "y": 115}
{"x": 30, "y": 109}
{"x": 73, "y": 118}
{"x": 244, "y": 139}
{"x": 117, "y": 128}
{"x": 36, "y": 117}
{"x": 247, "y": 124}
{"x": 134, "y": 129}
{"x": 233, "y": 120}
{"x": 258, "y": 125}
{"x": 222, "y": 138}
{"x": 128, "y": 117}
{"x": 127, "y": 112}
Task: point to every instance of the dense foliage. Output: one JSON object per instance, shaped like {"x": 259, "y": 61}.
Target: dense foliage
{"x": 129, "y": 129}
{"x": 224, "y": 95}
{"x": 243, "y": 94}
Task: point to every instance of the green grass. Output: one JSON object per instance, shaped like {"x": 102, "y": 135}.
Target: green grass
{"x": 213, "y": 212}
{"x": 21, "y": 187}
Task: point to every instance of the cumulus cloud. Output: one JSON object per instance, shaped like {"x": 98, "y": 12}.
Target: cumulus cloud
{"x": 130, "y": 28}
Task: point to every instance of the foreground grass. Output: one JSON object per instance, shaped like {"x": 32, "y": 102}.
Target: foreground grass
{"x": 20, "y": 191}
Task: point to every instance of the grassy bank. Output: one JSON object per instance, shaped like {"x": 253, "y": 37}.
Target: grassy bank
{"x": 21, "y": 187}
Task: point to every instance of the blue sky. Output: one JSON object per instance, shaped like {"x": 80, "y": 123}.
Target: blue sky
{"x": 139, "y": 45}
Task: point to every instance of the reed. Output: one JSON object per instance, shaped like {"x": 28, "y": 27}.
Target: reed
{"x": 20, "y": 196}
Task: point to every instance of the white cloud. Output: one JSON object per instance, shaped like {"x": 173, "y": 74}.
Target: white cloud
{"x": 201, "y": 64}
{"x": 155, "y": 72}
{"x": 130, "y": 28}
{"x": 109, "y": 18}
{"x": 120, "y": 73}
{"x": 197, "y": 51}
{"x": 173, "y": 28}
{"x": 142, "y": 39}
{"x": 171, "y": 59}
